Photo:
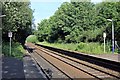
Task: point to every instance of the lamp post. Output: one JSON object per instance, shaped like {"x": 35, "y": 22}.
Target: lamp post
{"x": 1, "y": 30}
{"x": 1, "y": 17}
{"x": 113, "y": 48}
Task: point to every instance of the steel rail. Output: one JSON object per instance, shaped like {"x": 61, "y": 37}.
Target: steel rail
{"x": 55, "y": 66}
{"x": 48, "y": 78}
{"x": 82, "y": 63}
{"x": 91, "y": 59}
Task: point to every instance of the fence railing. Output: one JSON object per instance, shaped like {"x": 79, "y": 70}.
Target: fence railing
{"x": 117, "y": 46}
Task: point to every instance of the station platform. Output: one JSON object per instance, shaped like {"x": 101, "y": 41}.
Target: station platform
{"x": 111, "y": 57}
{"x": 15, "y": 69}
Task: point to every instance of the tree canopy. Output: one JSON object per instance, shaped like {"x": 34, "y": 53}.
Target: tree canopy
{"x": 81, "y": 22}
{"x": 18, "y": 20}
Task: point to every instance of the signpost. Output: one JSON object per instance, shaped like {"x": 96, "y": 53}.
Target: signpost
{"x": 10, "y": 35}
{"x": 104, "y": 36}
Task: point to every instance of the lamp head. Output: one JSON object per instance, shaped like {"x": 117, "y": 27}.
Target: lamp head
{"x": 2, "y": 16}
{"x": 109, "y": 20}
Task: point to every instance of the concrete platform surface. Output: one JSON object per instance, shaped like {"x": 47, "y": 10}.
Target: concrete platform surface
{"x": 15, "y": 69}
{"x": 112, "y": 57}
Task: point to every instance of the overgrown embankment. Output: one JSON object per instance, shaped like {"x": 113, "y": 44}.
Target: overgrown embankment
{"x": 88, "y": 48}
{"x": 17, "y": 50}
{"x": 80, "y": 26}
{"x": 18, "y": 20}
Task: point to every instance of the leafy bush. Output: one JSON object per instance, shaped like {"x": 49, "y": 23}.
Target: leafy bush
{"x": 16, "y": 50}
{"x": 93, "y": 48}
{"x": 32, "y": 39}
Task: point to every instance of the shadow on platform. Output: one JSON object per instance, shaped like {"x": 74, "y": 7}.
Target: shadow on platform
{"x": 12, "y": 68}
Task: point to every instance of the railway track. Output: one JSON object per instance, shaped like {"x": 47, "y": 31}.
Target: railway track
{"x": 113, "y": 65}
{"x": 79, "y": 68}
{"x": 49, "y": 70}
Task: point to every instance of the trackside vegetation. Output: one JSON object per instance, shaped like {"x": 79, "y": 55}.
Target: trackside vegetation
{"x": 81, "y": 25}
{"x": 32, "y": 39}
{"x": 89, "y": 48}
{"x": 17, "y": 50}
{"x": 18, "y": 20}
{"x": 81, "y": 22}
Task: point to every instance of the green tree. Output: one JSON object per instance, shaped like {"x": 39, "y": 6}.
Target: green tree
{"x": 18, "y": 19}
{"x": 81, "y": 22}
{"x": 107, "y": 10}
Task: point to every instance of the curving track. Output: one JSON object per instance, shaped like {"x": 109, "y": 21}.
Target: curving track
{"x": 74, "y": 68}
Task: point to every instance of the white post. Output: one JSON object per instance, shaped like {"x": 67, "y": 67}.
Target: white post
{"x": 104, "y": 36}
{"x": 104, "y": 45}
{"x": 10, "y": 45}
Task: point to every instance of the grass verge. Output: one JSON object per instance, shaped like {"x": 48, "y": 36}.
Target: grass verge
{"x": 17, "y": 50}
{"x": 32, "y": 39}
{"x": 88, "y": 48}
